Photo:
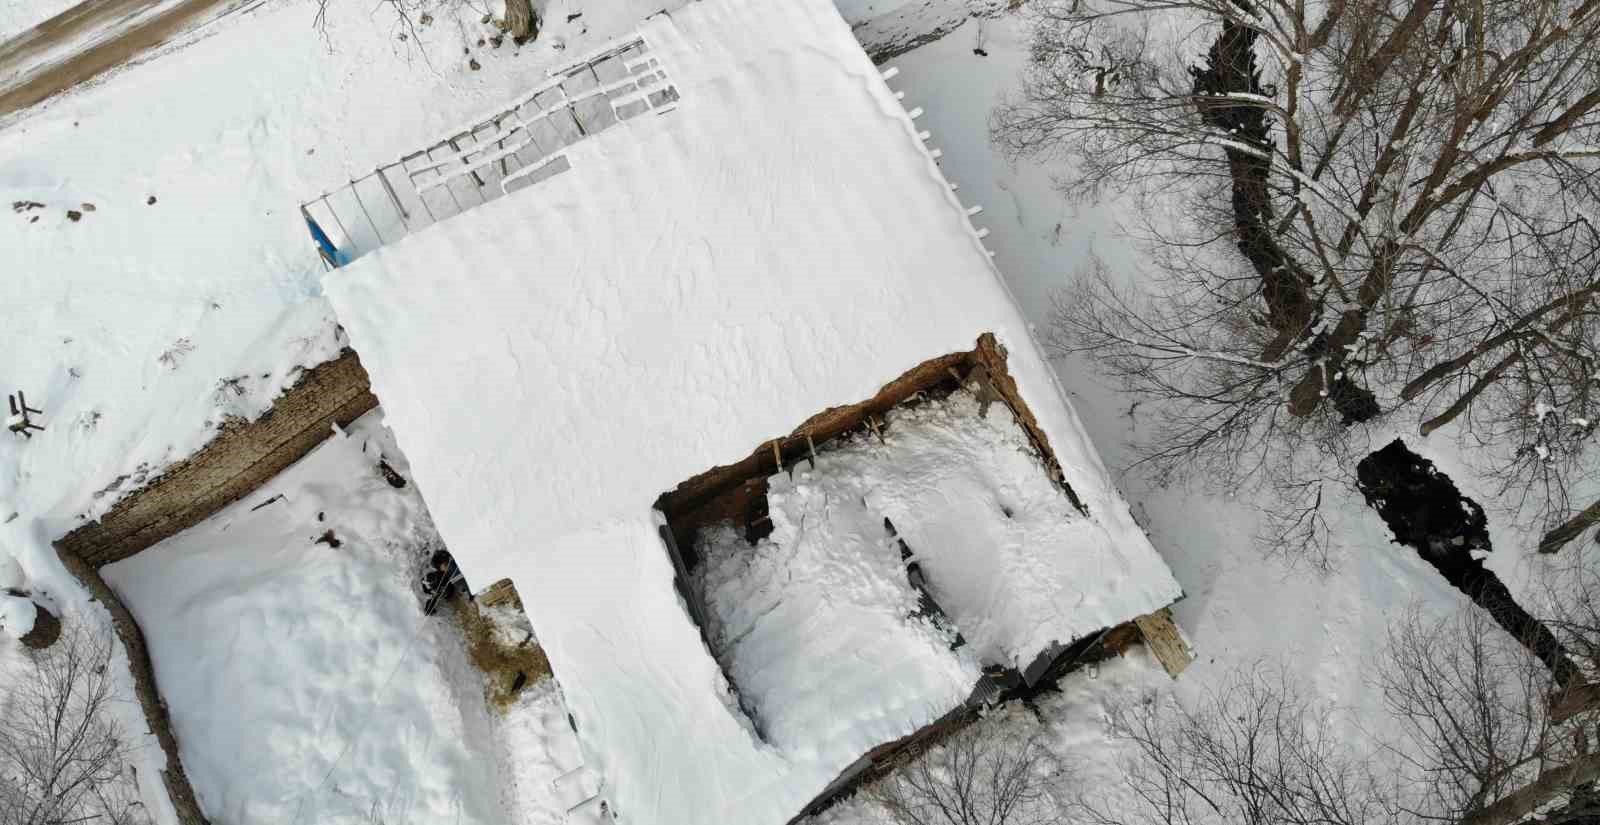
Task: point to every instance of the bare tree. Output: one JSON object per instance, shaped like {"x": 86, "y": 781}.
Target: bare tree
{"x": 1472, "y": 711}
{"x": 1384, "y": 209}
{"x": 986, "y": 774}
{"x": 63, "y": 754}
{"x": 1469, "y": 738}
{"x": 1255, "y": 752}
{"x": 1494, "y": 739}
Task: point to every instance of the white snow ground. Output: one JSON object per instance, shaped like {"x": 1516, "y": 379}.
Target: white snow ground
{"x": 220, "y": 133}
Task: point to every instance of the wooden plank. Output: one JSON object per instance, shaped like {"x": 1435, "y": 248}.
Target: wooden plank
{"x": 501, "y": 592}
{"x": 1165, "y": 640}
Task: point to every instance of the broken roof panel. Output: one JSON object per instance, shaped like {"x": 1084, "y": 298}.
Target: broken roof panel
{"x": 699, "y": 282}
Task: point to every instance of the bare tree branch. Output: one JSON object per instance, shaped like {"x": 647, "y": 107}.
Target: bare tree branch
{"x": 63, "y": 754}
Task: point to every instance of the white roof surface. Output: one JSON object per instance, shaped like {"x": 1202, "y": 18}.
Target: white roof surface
{"x": 699, "y": 283}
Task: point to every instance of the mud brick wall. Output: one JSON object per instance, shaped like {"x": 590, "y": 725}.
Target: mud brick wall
{"x": 242, "y": 457}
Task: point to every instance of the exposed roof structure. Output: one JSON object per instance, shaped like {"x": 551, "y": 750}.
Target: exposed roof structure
{"x": 700, "y": 282}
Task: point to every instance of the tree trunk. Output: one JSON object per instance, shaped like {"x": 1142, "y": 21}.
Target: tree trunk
{"x": 521, "y": 22}
{"x": 1230, "y": 69}
{"x": 1531, "y": 797}
{"x": 1558, "y": 538}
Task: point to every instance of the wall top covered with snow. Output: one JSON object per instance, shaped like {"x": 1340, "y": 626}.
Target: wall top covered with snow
{"x": 700, "y": 282}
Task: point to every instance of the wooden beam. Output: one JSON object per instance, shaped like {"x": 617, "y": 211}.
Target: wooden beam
{"x": 1165, "y": 640}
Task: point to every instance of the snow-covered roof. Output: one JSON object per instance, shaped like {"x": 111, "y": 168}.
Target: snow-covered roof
{"x": 700, "y": 282}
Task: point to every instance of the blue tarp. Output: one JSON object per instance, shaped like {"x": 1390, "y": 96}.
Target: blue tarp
{"x": 334, "y": 256}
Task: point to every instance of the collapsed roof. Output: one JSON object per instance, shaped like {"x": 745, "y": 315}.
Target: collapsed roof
{"x": 699, "y": 282}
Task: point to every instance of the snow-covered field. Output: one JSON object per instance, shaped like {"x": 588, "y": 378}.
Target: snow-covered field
{"x": 194, "y": 268}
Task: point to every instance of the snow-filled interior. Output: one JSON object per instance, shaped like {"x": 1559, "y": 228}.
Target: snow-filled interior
{"x": 1004, "y": 554}
{"x": 512, "y": 347}
{"x": 303, "y": 681}
{"x": 818, "y": 625}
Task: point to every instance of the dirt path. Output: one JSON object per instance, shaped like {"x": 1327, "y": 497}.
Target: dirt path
{"x": 113, "y": 32}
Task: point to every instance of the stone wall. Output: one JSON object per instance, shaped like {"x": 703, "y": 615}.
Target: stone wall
{"x": 243, "y": 456}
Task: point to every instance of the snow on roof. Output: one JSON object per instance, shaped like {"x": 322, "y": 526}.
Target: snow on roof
{"x": 700, "y": 282}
